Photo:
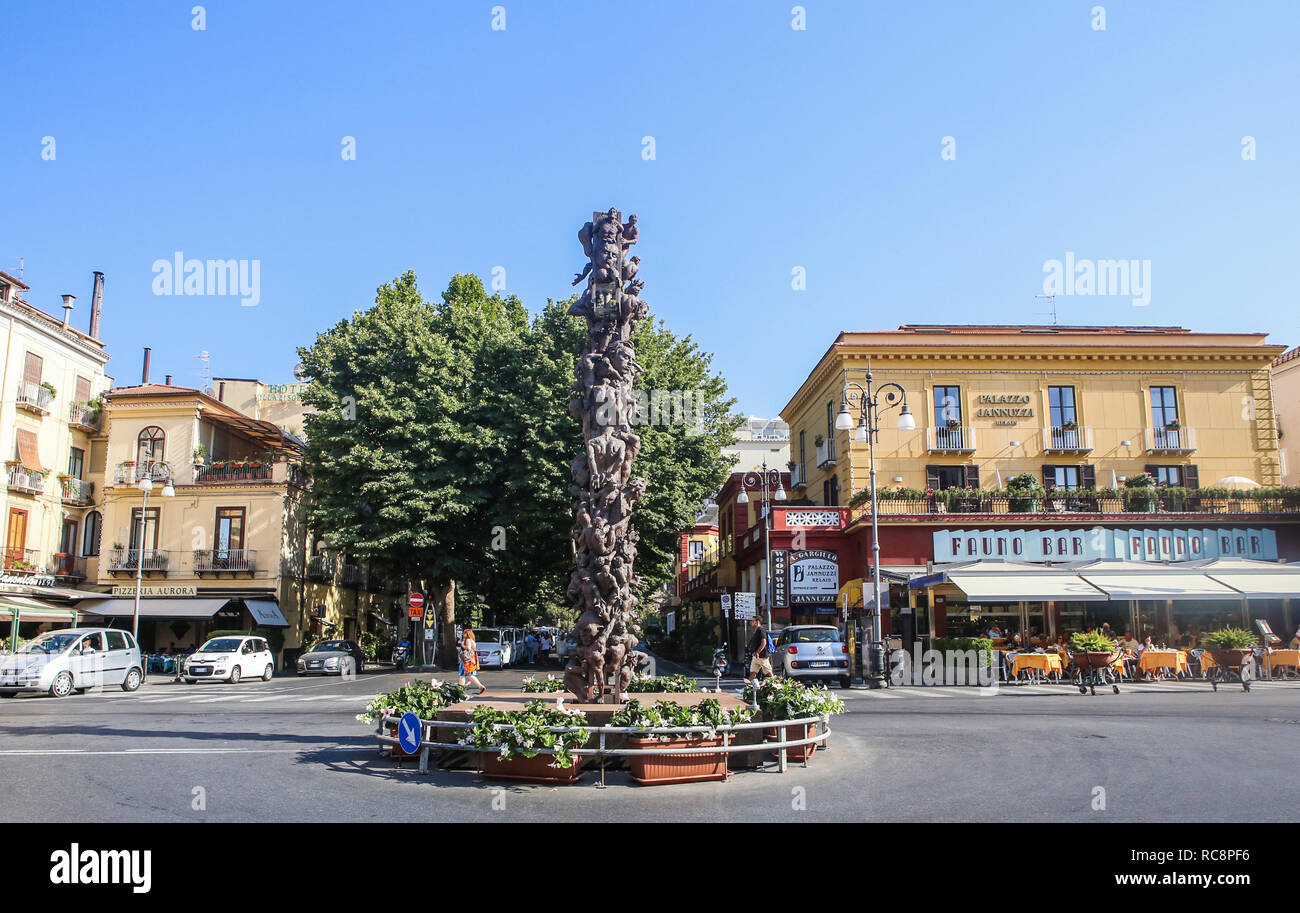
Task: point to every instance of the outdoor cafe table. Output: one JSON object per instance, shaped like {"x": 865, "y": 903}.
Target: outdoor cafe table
{"x": 1282, "y": 658}
{"x": 1042, "y": 662}
{"x": 1163, "y": 659}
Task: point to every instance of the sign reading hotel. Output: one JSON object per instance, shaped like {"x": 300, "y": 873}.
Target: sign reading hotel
{"x": 153, "y": 592}
{"x": 1007, "y": 408}
{"x": 814, "y": 577}
{"x": 1104, "y": 542}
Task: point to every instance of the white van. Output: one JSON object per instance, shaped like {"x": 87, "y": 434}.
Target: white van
{"x": 73, "y": 659}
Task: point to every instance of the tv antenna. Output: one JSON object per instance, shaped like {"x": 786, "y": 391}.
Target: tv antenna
{"x": 1051, "y": 301}
{"x": 206, "y": 371}
{"x": 20, "y": 268}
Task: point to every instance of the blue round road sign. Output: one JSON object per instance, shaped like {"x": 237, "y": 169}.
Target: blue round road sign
{"x": 408, "y": 733}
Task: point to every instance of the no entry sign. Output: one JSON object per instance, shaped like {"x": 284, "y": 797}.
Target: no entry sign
{"x": 416, "y": 606}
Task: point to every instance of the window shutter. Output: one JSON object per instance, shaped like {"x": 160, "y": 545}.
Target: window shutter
{"x": 1049, "y": 476}
{"x": 28, "y": 451}
{"x": 1151, "y": 469}
{"x": 32, "y": 369}
{"x": 1191, "y": 477}
{"x": 1087, "y": 476}
{"x": 932, "y": 477}
{"x": 972, "y": 475}
{"x": 83, "y": 390}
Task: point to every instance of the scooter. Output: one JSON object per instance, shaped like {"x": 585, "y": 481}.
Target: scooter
{"x": 399, "y": 654}
{"x": 722, "y": 664}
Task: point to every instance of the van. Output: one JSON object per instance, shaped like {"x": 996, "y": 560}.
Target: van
{"x": 73, "y": 659}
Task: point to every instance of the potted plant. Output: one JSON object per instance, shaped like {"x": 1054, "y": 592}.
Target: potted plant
{"x": 1070, "y": 424}
{"x": 1023, "y": 492}
{"x": 1110, "y": 500}
{"x": 666, "y": 684}
{"x": 200, "y": 455}
{"x": 1230, "y": 647}
{"x": 527, "y": 747}
{"x": 547, "y": 685}
{"x": 703, "y": 719}
{"x": 1092, "y": 649}
{"x": 1140, "y": 493}
{"x": 1173, "y": 425}
{"x": 50, "y": 387}
{"x": 952, "y": 423}
{"x": 424, "y": 699}
{"x": 789, "y": 699}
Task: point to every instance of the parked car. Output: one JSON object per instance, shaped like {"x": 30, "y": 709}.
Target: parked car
{"x": 230, "y": 658}
{"x": 73, "y": 659}
{"x": 333, "y": 657}
{"x": 495, "y": 647}
{"x": 564, "y": 647}
{"x": 812, "y": 652}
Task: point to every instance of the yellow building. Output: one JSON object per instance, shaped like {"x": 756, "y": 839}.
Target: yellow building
{"x": 1076, "y": 407}
{"x": 1286, "y": 400}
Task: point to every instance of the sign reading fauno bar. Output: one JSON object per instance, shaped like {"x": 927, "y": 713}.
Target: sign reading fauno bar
{"x": 1104, "y": 542}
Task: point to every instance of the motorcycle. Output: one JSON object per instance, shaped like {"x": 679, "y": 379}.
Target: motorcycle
{"x": 722, "y": 665}
{"x": 399, "y": 654}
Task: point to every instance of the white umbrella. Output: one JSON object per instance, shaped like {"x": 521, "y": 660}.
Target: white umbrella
{"x": 1114, "y": 479}
{"x": 1236, "y": 482}
{"x": 998, "y": 473}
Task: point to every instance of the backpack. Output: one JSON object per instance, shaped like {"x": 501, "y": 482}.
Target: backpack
{"x": 771, "y": 645}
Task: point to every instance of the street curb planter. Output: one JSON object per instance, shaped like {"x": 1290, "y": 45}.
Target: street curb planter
{"x": 530, "y": 770}
{"x": 650, "y": 770}
{"x": 396, "y": 751}
{"x": 794, "y": 733}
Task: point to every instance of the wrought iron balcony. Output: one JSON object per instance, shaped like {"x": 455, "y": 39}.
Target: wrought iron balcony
{"x": 77, "y": 492}
{"x": 1171, "y": 440}
{"x": 83, "y": 415}
{"x": 26, "y": 481}
{"x": 130, "y": 472}
{"x": 826, "y": 454}
{"x": 34, "y": 398}
{"x": 150, "y": 560}
{"x": 229, "y": 471}
{"x": 950, "y": 439}
{"x": 21, "y": 560}
{"x": 225, "y": 561}
{"x": 65, "y": 565}
{"x": 353, "y": 575}
{"x": 1065, "y": 439}
{"x": 321, "y": 567}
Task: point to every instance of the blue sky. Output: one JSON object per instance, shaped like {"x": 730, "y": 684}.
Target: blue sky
{"x": 775, "y": 148}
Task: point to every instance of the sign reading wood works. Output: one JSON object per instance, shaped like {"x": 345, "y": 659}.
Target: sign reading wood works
{"x": 781, "y": 579}
{"x": 155, "y": 592}
{"x": 814, "y": 577}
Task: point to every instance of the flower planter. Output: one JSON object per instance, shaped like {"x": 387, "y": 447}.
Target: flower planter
{"x": 793, "y": 734}
{"x": 1095, "y": 660}
{"x": 1110, "y": 505}
{"x": 680, "y": 768}
{"x": 1230, "y": 659}
{"x": 532, "y": 770}
{"x": 396, "y": 751}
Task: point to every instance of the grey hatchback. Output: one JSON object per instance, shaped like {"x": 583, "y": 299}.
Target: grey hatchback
{"x": 813, "y": 651}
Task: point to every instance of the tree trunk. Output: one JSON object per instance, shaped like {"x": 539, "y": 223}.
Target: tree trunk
{"x": 445, "y": 597}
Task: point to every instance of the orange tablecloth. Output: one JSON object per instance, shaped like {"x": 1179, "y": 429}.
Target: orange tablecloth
{"x": 1163, "y": 659}
{"x": 1045, "y": 662}
{"x": 1283, "y": 658}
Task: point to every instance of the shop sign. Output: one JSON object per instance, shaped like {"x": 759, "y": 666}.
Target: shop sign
{"x": 1104, "y": 542}
{"x": 26, "y": 580}
{"x": 281, "y": 393}
{"x": 746, "y": 606}
{"x": 780, "y": 579}
{"x": 1004, "y": 406}
{"x": 150, "y": 592}
{"x": 814, "y": 577}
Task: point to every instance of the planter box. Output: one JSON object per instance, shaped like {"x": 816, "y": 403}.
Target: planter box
{"x": 901, "y": 506}
{"x": 397, "y": 752}
{"x": 793, "y": 733}
{"x": 532, "y": 770}
{"x": 681, "y": 768}
{"x": 1110, "y": 505}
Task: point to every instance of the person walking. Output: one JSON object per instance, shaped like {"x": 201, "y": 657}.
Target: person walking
{"x": 469, "y": 659}
{"x": 760, "y": 665}
{"x": 530, "y": 647}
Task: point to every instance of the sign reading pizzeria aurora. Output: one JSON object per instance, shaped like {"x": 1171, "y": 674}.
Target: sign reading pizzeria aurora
{"x": 814, "y": 577}
{"x": 1104, "y": 542}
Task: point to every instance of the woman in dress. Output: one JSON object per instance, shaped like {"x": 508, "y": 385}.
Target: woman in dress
{"x": 469, "y": 659}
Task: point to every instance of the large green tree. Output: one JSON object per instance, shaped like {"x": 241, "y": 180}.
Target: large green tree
{"x": 441, "y": 444}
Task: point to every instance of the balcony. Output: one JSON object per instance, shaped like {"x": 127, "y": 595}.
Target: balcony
{"x": 225, "y": 561}
{"x": 21, "y": 560}
{"x": 68, "y": 566}
{"x": 35, "y": 398}
{"x": 1171, "y": 440}
{"x": 826, "y": 455}
{"x": 321, "y": 567}
{"x": 353, "y": 575}
{"x": 1084, "y": 504}
{"x": 233, "y": 472}
{"x": 82, "y": 415}
{"x": 797, "y": 480}
{"x": 130, "y": 472}
{"x": 1066, "y": 439}
{"x": 950, "y": 439}
{"x": 149, "y": 560}
{"x": 77, "y": 492}
{"x": 25, "y": 481}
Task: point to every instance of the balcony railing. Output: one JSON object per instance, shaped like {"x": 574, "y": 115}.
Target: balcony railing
{"x": 83, "y": 416}
{"x": 21, "y": 560}
{"x": 151, "y": 560}
{"x": 225, "y": 561}
{"x": 77, "y": 491}
{"x": 321, "y": 567}
{"x": 826, "y": 454}
{"x": 64, "y": 565}
{"x": 797, "y": 480}
{"x": 950, "y": 439}
{"x": 27, "y": 481}
{"x": 1171, "y": 440}
{"x": 1060, "y": 438}
{"x": 353, "y": 575}
{"x": 1064, "y": 503}
{"x": 129, "y": 473}
{"x": 34, "y": 398}
{"x": 223, "y": 471}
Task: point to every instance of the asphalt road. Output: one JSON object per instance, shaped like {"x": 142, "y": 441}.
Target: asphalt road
{"x": 292, "y": 750}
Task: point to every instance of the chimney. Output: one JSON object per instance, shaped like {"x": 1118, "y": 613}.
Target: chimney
{"x": 67, "y": 307}
{"x": 221, "y": 392}
{"x": 144, "y": 375}
{"x": 96, "y": 304}
{"x": 169, "y": 380}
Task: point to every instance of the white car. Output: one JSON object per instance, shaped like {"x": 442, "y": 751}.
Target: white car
{"x": 73, "y": 659}
{"x": 496, "y": 647}
{"x": 230, "y": 658}
{"x": 813, "y": 651}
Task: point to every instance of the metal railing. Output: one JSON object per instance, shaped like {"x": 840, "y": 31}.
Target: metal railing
{"x": 781, "y": 745}
{"x": 128, "y": 559}
{"x": 233, "y": 472}
{"x": 1061, "y": 438}
{"x": 951, "y": 439}
{"x": 353, "y": 575}
{"x": 1128, "y": 501}
{"x": 321, "y": 567}
{"x": 23, "y": 560}
{"x": 1164, "y": 440}
{"x": 35, "y": 397}
{"x": 28, "y": 481}
{"x": 82, "y": 414}
{"x": 76, "y": 491}
{"x": 66, "y": 565}
{"x": 129, "y": 473}
{"x": 229, "y": 560}
{"x": 826, "y": 454}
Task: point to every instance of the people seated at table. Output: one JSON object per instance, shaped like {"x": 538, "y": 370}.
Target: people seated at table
{"x": 1295, "y": 641}
{"x": 994, "y": 632}
{"x": 1129, "y": 642}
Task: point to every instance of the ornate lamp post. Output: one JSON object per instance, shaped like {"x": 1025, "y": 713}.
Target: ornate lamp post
{"x": 769, "y": 481}
{"x": 162, "y": 472}
{"x": 868, "y": 427}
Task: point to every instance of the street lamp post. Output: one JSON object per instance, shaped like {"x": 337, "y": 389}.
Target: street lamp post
{"x": 163, "y": 473}
{"x": 868, "y": 427}
{"x": 770, "y": 483}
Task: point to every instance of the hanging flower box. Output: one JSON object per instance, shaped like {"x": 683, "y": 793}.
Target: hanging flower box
{"x": 676, "y": 768}
{"x": 536, "y": 769}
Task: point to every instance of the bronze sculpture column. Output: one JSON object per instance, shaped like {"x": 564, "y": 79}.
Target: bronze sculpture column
{"x": 604, "y": 490}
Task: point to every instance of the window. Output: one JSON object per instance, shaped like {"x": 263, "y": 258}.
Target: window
{"x": 1060, "y": 404}
{"x": 1167, "y": 475}
{"x": 76, "y": 459}
{"x": 116, "y": 640}
{"x": 830, "y": 430}
{"x": 943, "y": 477}
{"x": 150, "y": 528}
{"x": 90, "y": 537}
{"x": 1065, "y": 478}
{"x": 230, "y": 530}
{"x": 695, "y": 550}
{"x": 831, "y": 491}
{"x": 1164, "y": 407}
{"x": 16, "y": 543}
{"x": 803, "y": 458}
{"x": 151, "y": 446}
{"x": 947, "y": 406}
{"x": 83, "y": 389}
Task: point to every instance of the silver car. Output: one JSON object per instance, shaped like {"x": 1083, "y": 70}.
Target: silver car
{"x": 813, "y": 651}
{"x": 73, "y": 659}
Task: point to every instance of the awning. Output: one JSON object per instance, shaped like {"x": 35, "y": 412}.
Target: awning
{"x": 32, "y": 610}
{"x": 266, "y": 613}
{"x": 28, "y": 451}
{"x": 1162, "y": 584}
{"x": 986, "y": 587}
{"x": 155, "y": 608}
{"x": 1275, "y": 586}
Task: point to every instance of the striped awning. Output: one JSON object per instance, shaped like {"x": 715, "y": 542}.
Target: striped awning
{"x": 28, "y": 451}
